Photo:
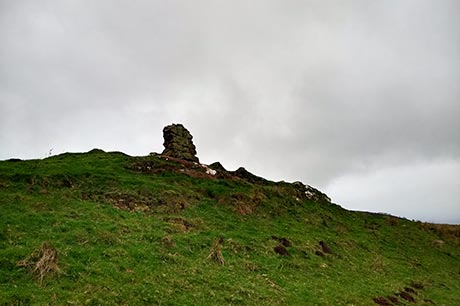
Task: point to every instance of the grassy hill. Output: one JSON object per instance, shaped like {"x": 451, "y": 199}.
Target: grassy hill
{"x": 103, "y": 228}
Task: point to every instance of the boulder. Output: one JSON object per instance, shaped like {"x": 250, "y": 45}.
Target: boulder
{"x": 178, "y": 143}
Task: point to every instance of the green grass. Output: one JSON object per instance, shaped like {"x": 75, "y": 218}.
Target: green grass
{"x": 126, "y": 237}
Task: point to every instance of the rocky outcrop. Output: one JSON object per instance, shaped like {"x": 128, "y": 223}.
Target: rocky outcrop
{"x": 248, "y": 176}
{"x": 218, "y": 167}
{"x": 178, "y": 143}
{"x": 311, "y": 193}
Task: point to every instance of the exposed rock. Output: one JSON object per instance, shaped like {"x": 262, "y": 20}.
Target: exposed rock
{"x": 208, "y": 170}
{"x": 178, "y": 143}
{"x": 245, "y": 174}
{"x": 217, "y": 166}
{"x": 311, "y": 193}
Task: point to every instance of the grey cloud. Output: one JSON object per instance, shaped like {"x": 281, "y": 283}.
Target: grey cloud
{"x": 294, "y": 90}
{"x": 416, "y": 191}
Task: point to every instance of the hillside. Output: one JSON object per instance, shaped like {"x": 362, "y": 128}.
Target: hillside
{"x": 102, "y": 228}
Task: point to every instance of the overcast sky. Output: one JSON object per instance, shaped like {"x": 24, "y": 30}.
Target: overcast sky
{"x": 358, "y": 98}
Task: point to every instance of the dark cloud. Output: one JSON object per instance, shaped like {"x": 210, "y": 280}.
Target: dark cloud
{"x": 317, "y": 91}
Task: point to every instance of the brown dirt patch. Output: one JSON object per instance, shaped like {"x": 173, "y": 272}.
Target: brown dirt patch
{"x": 284, "y": 241}
{"x": 244, "y": 209}
{"x": 382, "y": 301}
{"x": 391, "y": 220}
{"x": 393, "y": 299}
{"x": 445, "y": 231}
{"x": 281, "y": 250}
{"x": 406, "y": 296}
{"x": 325, "y": 247}
{"x": 410, "y": 290}
{"x": 417, "y": 286}
{"x": 129, "y": 202}
{"x": 319, "y": 253}
{"x": 164, "y": 164}
{"x": 179, "y": 224}
{"x": 154, "y": 166}
{"x": 168, "y": 201}
{"x": 241, "y": 203}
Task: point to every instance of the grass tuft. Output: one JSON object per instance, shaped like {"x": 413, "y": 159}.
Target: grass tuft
{"x": 216, "y": 252}
{"x": 42, "y": 262}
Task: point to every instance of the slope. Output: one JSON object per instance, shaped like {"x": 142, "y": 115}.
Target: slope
{"x": 103, "y": 228}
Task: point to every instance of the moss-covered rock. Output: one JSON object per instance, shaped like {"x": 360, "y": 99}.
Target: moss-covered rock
{"x": 178, "y": 143}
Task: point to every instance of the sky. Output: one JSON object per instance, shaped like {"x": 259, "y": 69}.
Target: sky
{"x": 358, "y": 98}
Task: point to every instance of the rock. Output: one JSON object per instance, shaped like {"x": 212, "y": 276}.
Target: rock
{"x": 316, "y": 195}
{"x": 178, "y": 143}
{"x": 311, "y": 193}
{"x": 208, "y": 170}
{"x": 248, "y": 176}
{"x": 217, "y": 166}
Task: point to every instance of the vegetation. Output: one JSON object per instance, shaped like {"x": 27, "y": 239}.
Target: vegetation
{"x": 103, "y": 228}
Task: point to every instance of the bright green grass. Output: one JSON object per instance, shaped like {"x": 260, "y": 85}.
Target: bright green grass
{"x": 110, "y": 256}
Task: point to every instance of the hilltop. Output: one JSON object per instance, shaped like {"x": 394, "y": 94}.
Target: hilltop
{"x": 105, "y": 228}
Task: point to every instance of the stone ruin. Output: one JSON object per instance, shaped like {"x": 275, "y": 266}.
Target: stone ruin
{"x": 178, "y": 143}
